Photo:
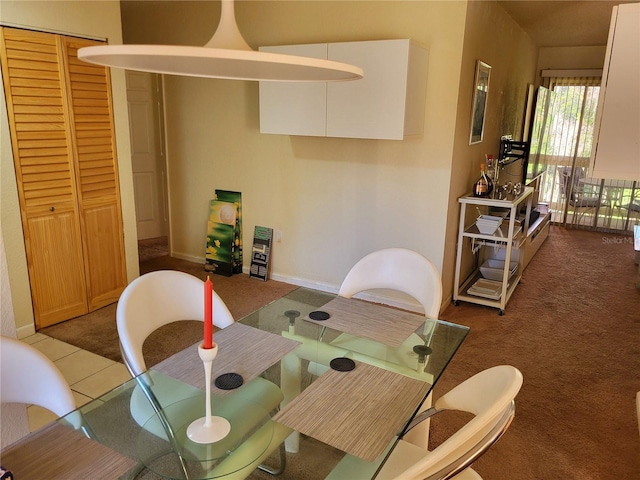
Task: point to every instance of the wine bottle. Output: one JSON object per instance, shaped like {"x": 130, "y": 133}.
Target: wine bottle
{"x": 484, "y": 185}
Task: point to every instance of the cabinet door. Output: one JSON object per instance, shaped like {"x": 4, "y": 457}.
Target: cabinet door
{"x": 294, "y": 108}
{"x": 33, "y": 83}
{"x": 92, "y": 133}
{"x": 56, "y": 268}
{"x": 617, "y": 149}
{"x": 388, "y": 103}
{"x": 373, "y": 107}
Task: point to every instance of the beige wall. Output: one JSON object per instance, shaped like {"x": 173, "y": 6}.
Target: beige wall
{"x": 493, "y": 37}
{"x": 334, "y": 199}
{"x": 569, "y": 58}
{"x": 95, "y": 19}
{"x": 13, "y": 417}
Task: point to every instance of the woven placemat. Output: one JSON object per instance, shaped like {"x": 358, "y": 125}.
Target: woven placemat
{"x": 374, "y": 321}
{"x": 358, "y": 412}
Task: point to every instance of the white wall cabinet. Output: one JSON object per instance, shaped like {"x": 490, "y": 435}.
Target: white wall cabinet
{"x": 617, "y": 138}
{"x": 388, "y": 103}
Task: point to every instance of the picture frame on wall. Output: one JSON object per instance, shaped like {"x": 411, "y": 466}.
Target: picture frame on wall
{"x": 479, "y": 104}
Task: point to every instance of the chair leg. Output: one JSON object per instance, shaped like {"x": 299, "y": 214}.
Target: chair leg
{"x": 283, "y": 463}
{"x": 155, "y": 404}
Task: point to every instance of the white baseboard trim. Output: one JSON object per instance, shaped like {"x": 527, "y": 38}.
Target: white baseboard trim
{"x": 25, "y": 331}
{"x": 303, "y": 282}
{"x": 323, "y": 287}
{"x": 190, "y": 258}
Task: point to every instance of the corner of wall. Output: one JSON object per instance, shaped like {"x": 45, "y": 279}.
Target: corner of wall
{"x": 13, "y": 418}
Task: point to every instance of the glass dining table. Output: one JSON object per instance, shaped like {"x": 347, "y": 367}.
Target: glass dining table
{"x": 351, "y": 375}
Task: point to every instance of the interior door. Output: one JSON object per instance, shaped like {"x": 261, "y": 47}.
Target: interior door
{"x": 149, "y": 179}
{"x": 96, "y": 170}
{"x": 33, "y": 80}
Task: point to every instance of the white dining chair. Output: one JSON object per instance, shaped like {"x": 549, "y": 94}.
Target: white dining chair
{"x": 397, "y": 269}
{"x": 401, "y": 270}
{"x": 489, "y": 395}
{"x": 157, "y": 299}
{"x": 29, "y": 377}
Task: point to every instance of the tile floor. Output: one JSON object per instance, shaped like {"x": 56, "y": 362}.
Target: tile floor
{"x": 88, "y": 374}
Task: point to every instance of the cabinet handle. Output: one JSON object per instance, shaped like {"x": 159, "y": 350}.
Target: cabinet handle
{"x": 52, "y": 209}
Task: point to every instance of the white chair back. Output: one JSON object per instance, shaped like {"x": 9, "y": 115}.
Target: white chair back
{"x": 489, "y": 395}
{"x": 156, "y": 299}
{"x": 397, "y": 269}
{"x": 29, "y": 377}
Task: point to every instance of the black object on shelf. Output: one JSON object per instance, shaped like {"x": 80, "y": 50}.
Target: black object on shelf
{"x": 512, "y": 151}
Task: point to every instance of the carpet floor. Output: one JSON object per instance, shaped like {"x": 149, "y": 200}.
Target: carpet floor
{"x": 572, "y": 327}
{"x": 97, "y": 333}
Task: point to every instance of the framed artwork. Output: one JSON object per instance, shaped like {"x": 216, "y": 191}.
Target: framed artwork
{"x": 478, "y": 107}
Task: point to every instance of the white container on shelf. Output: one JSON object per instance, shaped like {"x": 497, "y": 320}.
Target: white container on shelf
{"x": 488, "y": 224}
{"x": 493, "y": 269}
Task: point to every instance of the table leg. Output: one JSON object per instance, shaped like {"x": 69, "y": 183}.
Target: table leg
{"x": 290, "y": 381}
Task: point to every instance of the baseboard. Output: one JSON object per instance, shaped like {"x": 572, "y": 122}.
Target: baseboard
{"x": 323, "y": 287}
{"x": 189, "y": 258}
{"x": 26, "y": 331}
{"x": 302, "y": 282}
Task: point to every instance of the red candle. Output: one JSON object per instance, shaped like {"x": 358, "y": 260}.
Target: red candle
{"x": 208, "y": 314}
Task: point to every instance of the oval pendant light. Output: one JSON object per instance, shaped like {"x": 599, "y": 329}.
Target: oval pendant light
{"x": 226, "y": 55}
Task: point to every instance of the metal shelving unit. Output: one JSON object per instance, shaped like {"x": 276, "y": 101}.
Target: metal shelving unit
{"x": 508, "y": 238}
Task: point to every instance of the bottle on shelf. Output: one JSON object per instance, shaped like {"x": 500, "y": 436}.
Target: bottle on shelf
{"x": 483, "y": 185}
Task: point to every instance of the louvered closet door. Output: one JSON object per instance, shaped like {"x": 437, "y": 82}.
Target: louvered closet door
{"x": 34, "y": 89}
{"x": 93, "y": 136}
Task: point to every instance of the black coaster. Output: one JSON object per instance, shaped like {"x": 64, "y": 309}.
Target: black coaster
{"x": 229, "y": 381}
{"x": 319, "y": 315}
{"x": 342, "y": 364}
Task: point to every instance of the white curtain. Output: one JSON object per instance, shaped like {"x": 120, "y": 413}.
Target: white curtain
{"x": 575, "y": 198}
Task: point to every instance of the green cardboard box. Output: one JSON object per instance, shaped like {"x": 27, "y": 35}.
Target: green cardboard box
{"x": 220, "y": 237}
{"x": 236, "y": 199}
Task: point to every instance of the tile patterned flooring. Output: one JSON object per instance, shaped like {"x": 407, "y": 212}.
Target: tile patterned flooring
{"x": 88, "y": 374}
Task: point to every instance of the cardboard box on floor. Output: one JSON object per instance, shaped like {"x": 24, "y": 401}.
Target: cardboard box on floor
{"x": 224, "y": 234}
{"x": 261, "y": 253}
{"x": 236, "y": 199}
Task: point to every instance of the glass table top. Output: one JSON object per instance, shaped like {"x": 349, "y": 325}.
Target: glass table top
{"x": 416, "y": 362}
{"x": 170, "y": 459}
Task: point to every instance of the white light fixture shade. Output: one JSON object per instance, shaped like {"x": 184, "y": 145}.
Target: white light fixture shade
{"x": 226, "y": 55}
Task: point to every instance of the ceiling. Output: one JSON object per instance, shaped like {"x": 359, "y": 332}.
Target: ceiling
{"x": 563, "y": 23}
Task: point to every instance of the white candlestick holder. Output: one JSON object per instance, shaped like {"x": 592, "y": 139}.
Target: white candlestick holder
{"x": 208, "y": 429}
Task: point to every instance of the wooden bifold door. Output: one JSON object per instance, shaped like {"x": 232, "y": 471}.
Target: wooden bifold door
{"x": 62, "y": 135}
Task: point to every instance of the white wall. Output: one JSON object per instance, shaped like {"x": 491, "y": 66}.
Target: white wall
{"x": 95, "y": 19}
{"x": 13, "y": 417}
{"x": 334, "y": 199}
{"x": 493, "y": 37}
{"x": 569, "y": 58}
